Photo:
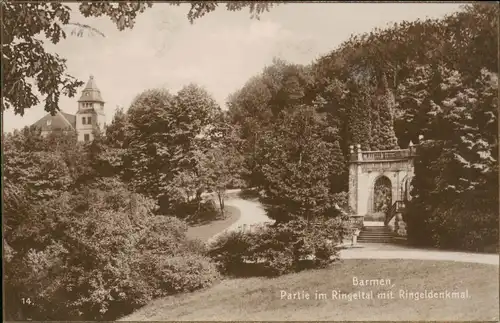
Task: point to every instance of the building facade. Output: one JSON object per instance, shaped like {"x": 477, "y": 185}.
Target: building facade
{"x": 89, "y": 117}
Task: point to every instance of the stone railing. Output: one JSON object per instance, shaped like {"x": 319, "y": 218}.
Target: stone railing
{"x": 381, "y": 155}
{"x": 385, "y": 155}
{"x": 356, "y": 221}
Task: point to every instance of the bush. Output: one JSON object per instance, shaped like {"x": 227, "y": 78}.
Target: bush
{"x": 183, "y": 273}
{"x": 279, "y": 249}
{"x": 469, "y": 223}
{"x": 195, "y": 212}
{"x": 230, "y": 250}
{"x": 98, "y": 255}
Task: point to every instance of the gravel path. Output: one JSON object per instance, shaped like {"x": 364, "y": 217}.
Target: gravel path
{"x": 251, "y": 213}
{"x": 388, "y": 251}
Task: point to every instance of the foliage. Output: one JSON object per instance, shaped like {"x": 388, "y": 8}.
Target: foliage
{"x": 42, "y": 174}
{"x": 222, "y": 164}
{"x": 184, "y": 273}
{"x": 167, "y": 137}
{"x": 296, "y": 165}
{"x": 255, "y": 107}
{"x": 279, "y": 249}
{"x": 44, "y": 166}
{"x": 26, "y": 62}
{"x": 80, "y": 241}
{"x": 358, "y": 124}
{"x": 384, "y": 137}
{"x": 457, "y": 163}
{"x": 116, "y": 130}
{"x": 383, "y": 89}
{"x": 92, "y": 254}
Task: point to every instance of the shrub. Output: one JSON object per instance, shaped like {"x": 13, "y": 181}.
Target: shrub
{"x": 281, "y": 248}
{"x": 195, "y": 211}
{"x": 89, "y": 256}
{"x": 183, "y": 273}
{"x": 230, "y": 250}
{"x": 469, "y": 223}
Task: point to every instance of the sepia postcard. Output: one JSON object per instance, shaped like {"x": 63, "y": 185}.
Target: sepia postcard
{"x": 250, "y": 161}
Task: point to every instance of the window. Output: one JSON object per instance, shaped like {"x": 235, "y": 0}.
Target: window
{"x": 49, "y": 122}
{"x": 86, "y": 137}
{"x": 89, "y": 120}
{"x": 83, "y": 120}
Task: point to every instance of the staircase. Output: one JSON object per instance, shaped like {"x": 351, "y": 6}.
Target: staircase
{"x": 375, "y": 234}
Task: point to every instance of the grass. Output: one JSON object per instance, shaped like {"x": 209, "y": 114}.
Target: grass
{"x": 259, "y": 298}
{"x": 206, "y": 231}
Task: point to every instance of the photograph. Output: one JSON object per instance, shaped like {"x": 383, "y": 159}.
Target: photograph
{"x": 168, "y": 161}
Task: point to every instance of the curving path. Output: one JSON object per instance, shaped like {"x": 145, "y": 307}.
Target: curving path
{"x": 376, "y": 251}
{"x": 253, "y": 213}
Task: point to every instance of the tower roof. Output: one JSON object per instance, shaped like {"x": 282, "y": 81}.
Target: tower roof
{"x": 91, "y": 92}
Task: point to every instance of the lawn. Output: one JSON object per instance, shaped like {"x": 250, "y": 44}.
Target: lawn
{"x": 260, "y": 298}
{"x": 208, "y": 230}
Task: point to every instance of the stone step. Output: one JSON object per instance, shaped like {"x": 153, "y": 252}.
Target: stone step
{"x": 378, "y": 224}
{"x": 376, "y": 230}
{"x": 376, "y": 241}
{"x": 374, "y": 235}
{"x": 382, "y": 234}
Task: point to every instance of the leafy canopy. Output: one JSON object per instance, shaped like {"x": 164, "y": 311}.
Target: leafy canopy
{"x": 30, "y": 72}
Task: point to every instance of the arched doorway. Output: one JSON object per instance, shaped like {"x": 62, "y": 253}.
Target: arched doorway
{"x": 382, "y": 195}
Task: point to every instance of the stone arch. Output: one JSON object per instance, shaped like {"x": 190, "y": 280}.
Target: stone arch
{"x": 382, "y": 194}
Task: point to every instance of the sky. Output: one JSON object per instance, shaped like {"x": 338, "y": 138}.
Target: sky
{"x": 220, "y": 51}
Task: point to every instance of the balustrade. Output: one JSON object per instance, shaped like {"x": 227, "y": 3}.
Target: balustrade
{"x": 383, "y": 154}
{"x": 397, "y": 207}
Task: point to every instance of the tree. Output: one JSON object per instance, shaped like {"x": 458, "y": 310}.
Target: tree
{"x": 166, "y": 134}
{"x": 359, "y": 117}
{"x": 457, "y": 165}
{"x": 116, "y": 130}
{"x": 296, "y": 165}
{"x": 147, "y": 156}
{"x": 223, "y": 167}
{"x": 26, "y": 63}
{"x": 256, "y": 106}
{"x": 383, "y": 136}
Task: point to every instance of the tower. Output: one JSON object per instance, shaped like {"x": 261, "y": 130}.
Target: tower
{"x": 90, "y": 115}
